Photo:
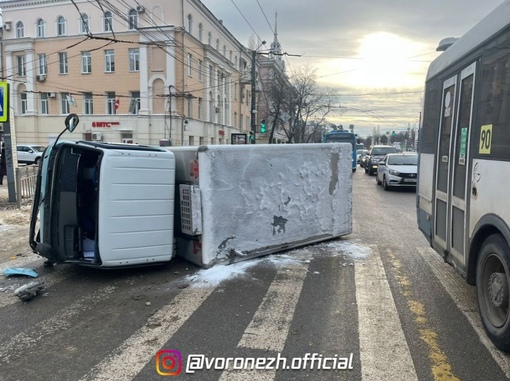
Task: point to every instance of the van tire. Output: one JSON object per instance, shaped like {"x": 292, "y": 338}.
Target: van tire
{"x": 492, "y": 290}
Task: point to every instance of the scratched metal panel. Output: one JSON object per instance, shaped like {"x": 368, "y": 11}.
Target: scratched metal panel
{"x": 261, "y": 199}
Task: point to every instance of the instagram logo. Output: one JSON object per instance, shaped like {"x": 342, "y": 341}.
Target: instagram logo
{"x": 168, "y": 362}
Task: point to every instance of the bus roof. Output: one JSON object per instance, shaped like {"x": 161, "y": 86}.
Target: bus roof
{"x": 485, "y": 29}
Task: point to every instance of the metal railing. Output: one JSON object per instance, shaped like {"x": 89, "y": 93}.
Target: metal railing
{"x": 26, "y": 180}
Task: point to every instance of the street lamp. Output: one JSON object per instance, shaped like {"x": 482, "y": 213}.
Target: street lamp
{"x": 253, "y": 82}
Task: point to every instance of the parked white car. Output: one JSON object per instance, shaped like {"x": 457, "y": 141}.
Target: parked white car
{"x": 398, "y": 170}
{"x": 29, "y": 153}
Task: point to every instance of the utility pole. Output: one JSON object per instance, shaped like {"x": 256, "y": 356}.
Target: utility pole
{"x": 253, "y": 99}
{"x": 253, "y": 103}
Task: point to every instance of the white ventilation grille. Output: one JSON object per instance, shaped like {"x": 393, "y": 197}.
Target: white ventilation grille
{"x": 191, "y": 209}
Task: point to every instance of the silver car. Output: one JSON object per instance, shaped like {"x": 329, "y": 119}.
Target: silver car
{"x": 398, "y": 170}
{"x": 29, "y": 153}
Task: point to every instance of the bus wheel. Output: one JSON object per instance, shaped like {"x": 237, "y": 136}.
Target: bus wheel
{"x": 492, "y": 279}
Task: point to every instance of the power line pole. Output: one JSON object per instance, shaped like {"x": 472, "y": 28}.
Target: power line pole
{"x": 253, "y": 103}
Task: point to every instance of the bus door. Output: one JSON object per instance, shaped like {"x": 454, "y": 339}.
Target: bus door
{"x": 452, "y": 160}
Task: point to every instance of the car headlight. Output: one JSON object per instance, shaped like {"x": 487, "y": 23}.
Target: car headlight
{"x": 394, "y": 173}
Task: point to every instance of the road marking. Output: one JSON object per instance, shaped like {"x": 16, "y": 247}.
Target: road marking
{"x": 133, "y": 355}
{"x": 57, "y": 323}
{"x": 440, "y": 366}
{"x": 384, "y": 352}
{"x": 50, "y": 279}
{"x": 32, "y": 260}
{"x": 464, "y": 297}
{"x": 269, "y": 327}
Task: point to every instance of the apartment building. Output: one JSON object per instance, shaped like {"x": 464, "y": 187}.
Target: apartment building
{"x": 145, "y": 72}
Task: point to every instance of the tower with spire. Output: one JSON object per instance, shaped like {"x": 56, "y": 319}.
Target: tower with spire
{"x": 275, "y": 52}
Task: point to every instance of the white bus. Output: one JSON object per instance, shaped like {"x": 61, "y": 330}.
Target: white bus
{"x": 463, "y": 193}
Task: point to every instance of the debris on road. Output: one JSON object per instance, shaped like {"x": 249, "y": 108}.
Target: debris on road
{"x": 29, "y": 291}
{"x": 19, "y": 271}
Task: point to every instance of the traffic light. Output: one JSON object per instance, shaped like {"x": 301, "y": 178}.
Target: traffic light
{"x": 263, "y": 126}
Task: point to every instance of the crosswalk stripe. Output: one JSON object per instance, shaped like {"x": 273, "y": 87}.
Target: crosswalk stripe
{"x": 131, "y": 356}
{"x": 270, "y": 324}
{"x": 6, "y": 299}
{"x": 465, "y": 299}
{"x": 384, "y": 351}
{"x": 32, "y": 260}
{"x": 58, "y": 322}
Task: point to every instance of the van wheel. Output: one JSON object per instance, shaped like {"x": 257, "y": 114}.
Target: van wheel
{"x": 36, "y": 161}
{"x": 492, "y": 284}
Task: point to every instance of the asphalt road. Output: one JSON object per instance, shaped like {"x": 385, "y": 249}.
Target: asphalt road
{"x": 378, "y": 304}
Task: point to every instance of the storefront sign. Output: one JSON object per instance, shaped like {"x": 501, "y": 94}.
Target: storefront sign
{"x": 105, "y": 124}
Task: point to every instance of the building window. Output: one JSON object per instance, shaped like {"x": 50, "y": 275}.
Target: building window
{"x": 200, "y": 69}
{"x": 64, "y": 103}
{"x": 44, "y": 103}
{"x": 20, "y": 30}
{"x": 88, "y": 104}
{"x": 218, "y": 44}
{"x": 190, "y": 107}
{"x": 107, "y": 22}
{"x": 209, "y": 38}
{"x": 42, "y": 65}
{"x": 190, "y": 24}
{"x": 109, "y": 61}
{"x": 134, "y": 103}
{"x": 23, "y": 98}
{"x": 224, "y": 50}
{"x": 235, "y": 62}
{"x": 41, "y": 29}
{"x": 134, "y": 59}
{"x": 62, "y": 63}
{"x": 200, "y": 111}
{"x": 211, "y": 81}
{"x": 86, "y": 62}
{"x": 110, "y": 103}
{"x": 190, "y": 65}
{"x": 21, "y": 70}
{"x": 230, "y": 56}
{"x": 235, "y": 91}
{"x": 200, "y": 32}
{"x": 133, "y": 19}
{"x": 84, "y": 23}
{"x": 61, "y": 26}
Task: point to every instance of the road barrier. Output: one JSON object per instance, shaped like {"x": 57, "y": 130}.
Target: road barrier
{"x": 26, "y": 180}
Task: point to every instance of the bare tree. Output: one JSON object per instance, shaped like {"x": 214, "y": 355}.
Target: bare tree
{"x": 308, "y": 106}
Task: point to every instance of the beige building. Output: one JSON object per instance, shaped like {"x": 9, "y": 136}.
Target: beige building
{"x": 148, "y": 73}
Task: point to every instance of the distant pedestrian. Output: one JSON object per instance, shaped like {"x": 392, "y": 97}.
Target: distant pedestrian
{"x": 3, "y": 169}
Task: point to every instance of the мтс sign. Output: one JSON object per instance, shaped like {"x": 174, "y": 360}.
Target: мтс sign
{"x": 4, "y": 102}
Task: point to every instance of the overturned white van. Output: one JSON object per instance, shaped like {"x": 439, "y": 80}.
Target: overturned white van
{"x": 104, "y": 205}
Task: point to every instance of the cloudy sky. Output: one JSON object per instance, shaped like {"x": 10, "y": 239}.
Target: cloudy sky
{"x": 375, "y": 52}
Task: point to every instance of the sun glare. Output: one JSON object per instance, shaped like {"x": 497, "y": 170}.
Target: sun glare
{"x": 384, "y": 60}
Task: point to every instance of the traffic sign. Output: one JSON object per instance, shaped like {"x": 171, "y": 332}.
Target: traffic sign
{"x": 4, "y": 102}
